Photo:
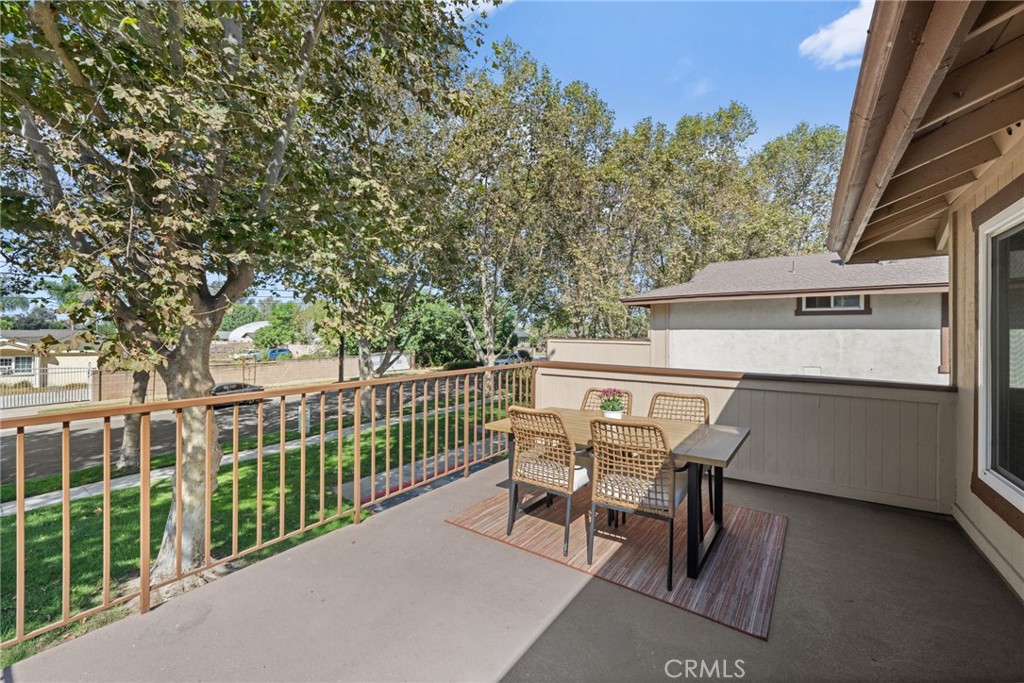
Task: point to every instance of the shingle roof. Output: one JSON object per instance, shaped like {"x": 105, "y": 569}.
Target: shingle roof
{"x": 33, "y": 336}
{"x": 759, "y": 278}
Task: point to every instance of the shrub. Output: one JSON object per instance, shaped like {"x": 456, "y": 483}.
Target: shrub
{"x": 462, "y": 364}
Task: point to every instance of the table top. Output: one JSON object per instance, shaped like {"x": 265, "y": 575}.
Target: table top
{"x": 714, "y": 445}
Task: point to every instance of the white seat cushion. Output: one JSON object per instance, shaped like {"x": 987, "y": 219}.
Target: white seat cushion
{"x": 533, "y": 468}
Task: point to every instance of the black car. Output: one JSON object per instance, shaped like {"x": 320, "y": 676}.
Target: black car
{"x": 228, "y": 388}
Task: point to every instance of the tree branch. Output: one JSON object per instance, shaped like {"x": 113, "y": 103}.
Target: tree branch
{"x": 274, "y": 168}
{"x": 44, "y": 14}
{"x": 44, "y": 162}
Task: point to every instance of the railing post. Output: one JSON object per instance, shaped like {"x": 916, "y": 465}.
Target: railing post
{"x": 144, "y": 543}
{"x": 465, "y": 427}
{"x": 357, "y": 418}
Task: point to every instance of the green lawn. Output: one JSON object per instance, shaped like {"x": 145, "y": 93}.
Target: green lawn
{"x": 43, "y": 526}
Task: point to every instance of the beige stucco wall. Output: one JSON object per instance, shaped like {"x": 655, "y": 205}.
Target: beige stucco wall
{"x": 72, "y": 360}
{"x": 1000, "y": 543}
{"x": 603, "y": 351}
{"x": 898, "y": 341}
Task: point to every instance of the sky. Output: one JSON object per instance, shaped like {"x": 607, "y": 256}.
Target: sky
{"x": 787, "y": 61}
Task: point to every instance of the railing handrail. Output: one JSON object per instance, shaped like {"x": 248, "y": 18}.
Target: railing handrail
{"x": 738, "y": 376}
{"x": 204, "y": 401}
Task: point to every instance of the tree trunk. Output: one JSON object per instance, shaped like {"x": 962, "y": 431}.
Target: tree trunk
{"x": 128, "y": 458}
{"x": 366, "y": 371}
{"x": 187, "y": 375}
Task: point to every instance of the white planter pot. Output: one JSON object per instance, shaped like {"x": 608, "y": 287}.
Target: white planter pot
{"x": 613, "y": 414}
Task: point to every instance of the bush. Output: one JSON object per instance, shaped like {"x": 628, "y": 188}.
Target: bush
{"x": 462, "y": 364}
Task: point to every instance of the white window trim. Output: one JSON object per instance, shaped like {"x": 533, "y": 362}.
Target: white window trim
{"x": 1008, "y": 218}
{"x": 832, "y": 301}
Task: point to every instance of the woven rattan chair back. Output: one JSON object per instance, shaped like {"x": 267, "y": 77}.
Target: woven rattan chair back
{"x": 545, "y": 456}
{"x": 683, "y": 407}
{"x": 592, "y": 400}
{"x": 630, "y": 467}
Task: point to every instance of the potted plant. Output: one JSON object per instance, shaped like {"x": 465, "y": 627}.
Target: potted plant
{"x": 611, "y": 403}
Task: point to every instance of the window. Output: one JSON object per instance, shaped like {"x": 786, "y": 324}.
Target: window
{"x": 1006, "y": 349}
{"x": 840, "y": 303}
{"x": 20, "y": 365}
{"x": 1000, "y": 421}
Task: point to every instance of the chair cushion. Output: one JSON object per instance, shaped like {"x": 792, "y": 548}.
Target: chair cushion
{"x": 654, "y": 497}
{"x": 534, "y": 469}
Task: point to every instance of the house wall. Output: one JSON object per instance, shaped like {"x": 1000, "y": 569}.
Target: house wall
{"x": 998, "y": 534}
{"x": 880, "y": 442}
{"x": 604, "y": 351}
{"x": 71, "y": 360}
{"x": 900, "y": 340}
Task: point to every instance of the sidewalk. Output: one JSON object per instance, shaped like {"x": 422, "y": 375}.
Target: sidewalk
{"x": 367, "y": 484}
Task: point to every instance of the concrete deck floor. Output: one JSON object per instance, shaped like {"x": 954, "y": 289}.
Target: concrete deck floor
{"x": 866, "y": 592}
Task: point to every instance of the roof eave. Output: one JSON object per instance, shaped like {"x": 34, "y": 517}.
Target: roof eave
{"x": 788, "y": 294}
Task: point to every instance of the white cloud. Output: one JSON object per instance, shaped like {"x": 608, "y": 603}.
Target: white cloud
{"x": 840, "y": 44}
{"x": 700, "y": 87}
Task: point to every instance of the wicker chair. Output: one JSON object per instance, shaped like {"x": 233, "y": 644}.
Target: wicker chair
{"x": 544, "y": 458}
{"x": 685, "y": 408}
{"x": 633, "y": 473}
{"x": 592, "y": 400}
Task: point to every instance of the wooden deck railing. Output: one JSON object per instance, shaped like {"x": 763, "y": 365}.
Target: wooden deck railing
{"x": 411, "y": 431}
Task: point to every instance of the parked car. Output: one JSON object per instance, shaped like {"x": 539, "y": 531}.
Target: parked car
{"x": 228, "y": 388}
{"x": 251, "y": 354}
{"x": 279, "y": 352}
{"x": 520, "y": 356}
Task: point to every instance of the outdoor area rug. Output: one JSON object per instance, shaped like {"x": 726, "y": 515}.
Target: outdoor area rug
{"x": 736, "y": 586}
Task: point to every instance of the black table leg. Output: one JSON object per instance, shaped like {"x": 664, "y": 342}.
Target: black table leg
{"x": 693, "y": 515}
{"x": 511, "y": 445}
{"x": 697, "y": 550}
{"x": 719, "y": 475}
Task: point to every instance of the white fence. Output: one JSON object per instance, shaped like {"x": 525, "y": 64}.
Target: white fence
{"x": 45, "y": 386}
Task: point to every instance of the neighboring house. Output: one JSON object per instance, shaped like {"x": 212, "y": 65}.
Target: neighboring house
{"x": 806, "y": 315}
{"x": 934, "y": 163}
{"x": 22, "y": 359}
{"x": 245, "y": 332}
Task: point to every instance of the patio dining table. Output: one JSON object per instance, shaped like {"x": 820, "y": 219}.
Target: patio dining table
{"x": 690, "y": 443}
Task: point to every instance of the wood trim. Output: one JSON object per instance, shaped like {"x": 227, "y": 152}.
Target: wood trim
{"x": 1003, "y": 508}
{"x": 944, "y": 337}
{"x": 736, "y": 376}
{"x": 788, "y": 294}
{"x": 866, "y": 310}
{"x": 1011, "y": 193}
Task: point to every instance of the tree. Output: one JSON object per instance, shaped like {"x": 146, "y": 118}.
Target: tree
{"x": 152, "y": 147}
{"x": 37, "y": 318}
{"x": 436, "y": 333}
{"x": 239, "y": 314}
{"x": 283, "y": 328}
{"x": 494, "y": 212}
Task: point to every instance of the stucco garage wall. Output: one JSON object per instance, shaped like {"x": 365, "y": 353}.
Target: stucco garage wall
{"x": 898, "y": 341}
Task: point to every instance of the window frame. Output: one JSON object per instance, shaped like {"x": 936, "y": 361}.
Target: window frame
{"x": 1012, "y": 217}
{"x": 31, "y": 365}
{"x": 863, "y": 309}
